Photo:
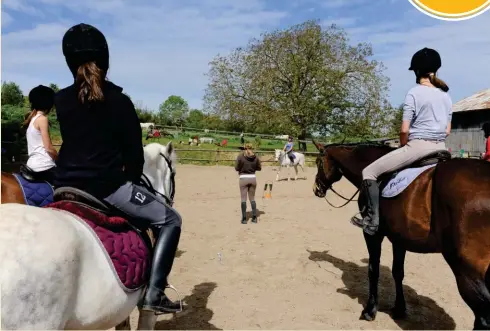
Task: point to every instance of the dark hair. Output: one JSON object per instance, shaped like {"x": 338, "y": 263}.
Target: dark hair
{"x": 486, "y": 128}
{"x": 434, "y": 80}
{"x": 89, "y": 81}
{"x": 41, "y": 98}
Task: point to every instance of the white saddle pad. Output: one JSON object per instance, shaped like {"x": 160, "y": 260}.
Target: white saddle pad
{"x": 400, "y": 182}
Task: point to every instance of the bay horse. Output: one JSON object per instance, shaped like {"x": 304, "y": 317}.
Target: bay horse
{"x": 443, "y": 208}
{"x": 70, "y": 283}
{"x": 283, "y": 159}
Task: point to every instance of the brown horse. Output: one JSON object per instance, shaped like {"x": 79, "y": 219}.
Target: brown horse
{"x": 446, "y": 209}
{"x": 11, "y": 190}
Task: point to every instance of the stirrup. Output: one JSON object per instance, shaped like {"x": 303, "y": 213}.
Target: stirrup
{"x": 180, "y": 300}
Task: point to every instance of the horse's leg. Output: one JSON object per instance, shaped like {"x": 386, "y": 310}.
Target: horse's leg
{"x": 124, "y": 325}
{"x": 398, "y": 272}
{"x": 296, "y": 171}
{"x": 147, "y": 320}
{"x": 278, "y": 171}
{"x": 374, "y": 248}
{"x": 474, "y": 292}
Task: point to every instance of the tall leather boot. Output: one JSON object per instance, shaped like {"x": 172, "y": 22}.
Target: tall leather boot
{"x": 155, "y": 299}
{"x": 370, "y": 222}
{"x": 244, "y": 212}
{"x": 254, "y": 211}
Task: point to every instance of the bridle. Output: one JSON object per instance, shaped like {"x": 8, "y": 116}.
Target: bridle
{"x": 326, "y": 188}
{"x": 146, "y": 182}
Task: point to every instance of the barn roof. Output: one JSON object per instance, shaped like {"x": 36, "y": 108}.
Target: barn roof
{"x": 478, "y": 101}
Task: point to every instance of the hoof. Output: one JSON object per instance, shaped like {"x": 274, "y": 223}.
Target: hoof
{"x": 368, "y": 316}
{"x": 398, "y": 313}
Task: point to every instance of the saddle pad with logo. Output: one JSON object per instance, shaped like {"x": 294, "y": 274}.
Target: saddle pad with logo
{"x": 38, "y": 193}
{"x": 401, "y": 180}
{"x": 124, "y": 247}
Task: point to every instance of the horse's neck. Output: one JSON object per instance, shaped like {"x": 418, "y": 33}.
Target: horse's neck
{"x": 353, "y": 161}
{"x": 157, "y": 178}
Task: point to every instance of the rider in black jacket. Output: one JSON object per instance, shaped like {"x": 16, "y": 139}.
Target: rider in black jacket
{"x": 102, "y": 152}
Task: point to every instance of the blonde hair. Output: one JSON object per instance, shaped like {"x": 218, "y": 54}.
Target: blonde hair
{"x": 248, "y": 150}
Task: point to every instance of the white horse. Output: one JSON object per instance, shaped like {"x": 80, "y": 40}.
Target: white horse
{"x": 284, "y": 161}
{"x": 55, "y": 275}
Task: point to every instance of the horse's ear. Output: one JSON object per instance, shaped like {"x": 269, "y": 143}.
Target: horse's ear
{"x": 170, "y": 148}
{"x": 318, "y": 146}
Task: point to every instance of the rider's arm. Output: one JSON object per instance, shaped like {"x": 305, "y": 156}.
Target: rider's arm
{"x": 408, "y": 115}
{"x": 43, "y": 123}
{"x": 238, "y": 164}
{"x": 404, "y": 133}
{"x": 131, "y": 139}
{"x": 258, "y": 165}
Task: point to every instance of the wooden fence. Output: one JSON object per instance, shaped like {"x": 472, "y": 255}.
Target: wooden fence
{"x": 470, "y": 140}
{"x": 186, "y": 155}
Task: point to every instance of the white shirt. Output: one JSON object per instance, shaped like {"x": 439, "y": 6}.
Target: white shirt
{"x": 39, "y": 159}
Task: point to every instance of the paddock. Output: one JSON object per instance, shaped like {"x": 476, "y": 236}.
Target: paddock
{"x": 303, "y": 266}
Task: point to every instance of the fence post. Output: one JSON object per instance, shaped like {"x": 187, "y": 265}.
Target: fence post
{"x": 217, "y": 155}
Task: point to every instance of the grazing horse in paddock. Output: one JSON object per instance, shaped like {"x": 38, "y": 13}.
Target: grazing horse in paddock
{"x": 282, "y": 158}
{"x": 436, "y": 205}
{"x": 69, "y": 257}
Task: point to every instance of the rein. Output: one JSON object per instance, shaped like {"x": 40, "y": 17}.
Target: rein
{"x": 338, "y": 194}
{"x": 146, "y": 182}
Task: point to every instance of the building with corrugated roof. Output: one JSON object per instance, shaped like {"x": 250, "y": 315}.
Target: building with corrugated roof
{"x": 469, "y": 115}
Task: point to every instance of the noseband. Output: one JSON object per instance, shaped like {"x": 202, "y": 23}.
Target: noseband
{"x": 170, "y": 199}
{"x": 326, "y": 188}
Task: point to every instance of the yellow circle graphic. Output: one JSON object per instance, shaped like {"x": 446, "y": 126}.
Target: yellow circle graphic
{"x": 452, "y": 10}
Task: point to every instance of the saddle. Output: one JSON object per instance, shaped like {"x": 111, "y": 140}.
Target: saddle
{"x": 83, "y": 198}
{"x": 29, "y": 174}
{"x": 393, "y": 183}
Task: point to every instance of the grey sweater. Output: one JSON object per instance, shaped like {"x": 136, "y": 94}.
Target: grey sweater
{"x": 429, "y": 111}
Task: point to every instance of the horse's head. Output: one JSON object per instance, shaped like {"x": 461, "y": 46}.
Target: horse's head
{"x": 160, "y": 169}
{"x": 278, "y": 154}
{"x": 328, "y": 171}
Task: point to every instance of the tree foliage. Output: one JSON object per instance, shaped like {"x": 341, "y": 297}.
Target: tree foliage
{"x": 12, "y": 94}
{"x": 173, "y": 111}
{"x": 300, "y": 80}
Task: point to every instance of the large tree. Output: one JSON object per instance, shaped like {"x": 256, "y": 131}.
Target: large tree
{"x": 300, "y": 80}
{"x": 12, "y": 94}
{"x": 173, "y": 111}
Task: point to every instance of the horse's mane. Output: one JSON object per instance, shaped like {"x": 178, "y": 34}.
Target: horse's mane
{"x": 362, "y": 145}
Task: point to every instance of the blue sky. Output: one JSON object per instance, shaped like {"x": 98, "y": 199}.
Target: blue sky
{"x": 161, "y": 47}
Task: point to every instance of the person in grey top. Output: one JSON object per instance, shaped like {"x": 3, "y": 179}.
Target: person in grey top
{"x": 427, "y": 114}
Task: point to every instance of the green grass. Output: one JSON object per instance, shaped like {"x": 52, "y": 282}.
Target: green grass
{"x": 201, "y": 156}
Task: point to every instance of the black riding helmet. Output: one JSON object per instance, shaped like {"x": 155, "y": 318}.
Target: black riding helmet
{"x": 41, "y": 98}
{"x": 425, "y": 60}
{"x": 84, "y": 43}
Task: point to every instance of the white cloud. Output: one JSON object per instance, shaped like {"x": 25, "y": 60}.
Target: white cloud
{"x": 6, "y": 19}
{"x": 464, "y": 47}
{"x": 156, "y": 50}
{"x": 159, "y": 48}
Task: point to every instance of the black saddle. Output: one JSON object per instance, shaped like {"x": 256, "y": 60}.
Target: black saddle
{"x": 75, "y": 195}
{"x": 83, "y": 198}
{"x": 30, "y": 174}
{"x": 432, "y": 158}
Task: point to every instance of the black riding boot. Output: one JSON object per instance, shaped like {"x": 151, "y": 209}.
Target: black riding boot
{"x": 254, "y": 211}
{"x": 163, "y": 259}
{"x": 370, "y": 222}
{"x": 244, "y": 213}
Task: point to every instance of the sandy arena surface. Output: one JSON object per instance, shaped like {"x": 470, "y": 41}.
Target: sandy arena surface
{"x": 303, "y": 266}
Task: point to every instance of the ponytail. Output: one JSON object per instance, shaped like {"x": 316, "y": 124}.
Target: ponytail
{"x": 29, "y": 118}
{"x": 248, "y": 150}
{"x": 437, "y": 82}
{"x": 89, "y": 80}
